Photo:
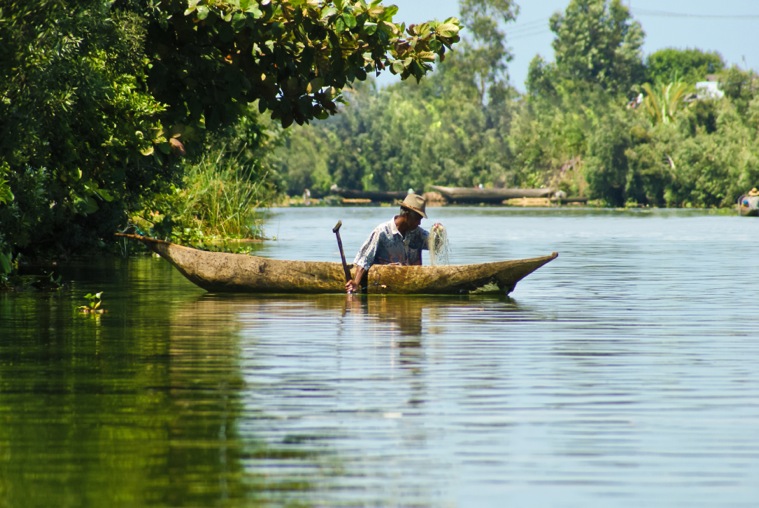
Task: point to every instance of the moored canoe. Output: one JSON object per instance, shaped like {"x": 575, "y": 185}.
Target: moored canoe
{"x": 243, "y": 273}
{"x": 493, "y": 196}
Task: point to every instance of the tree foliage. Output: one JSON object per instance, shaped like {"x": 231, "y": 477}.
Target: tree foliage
{"x": 662, "y": 102}
{"x": 449, "y": 128}
{"x": 487, "y": 55}
{"x": 688, "y": 65}
{"x": 575, "y": 129}
{"x": 293, "y": 57}
{"x": 76, "y": 117}
{"x": 598, "y": 42}
{"x": 101, "y": 101}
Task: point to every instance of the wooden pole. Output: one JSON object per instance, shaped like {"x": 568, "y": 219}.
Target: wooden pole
{"x": 336, "y": 230}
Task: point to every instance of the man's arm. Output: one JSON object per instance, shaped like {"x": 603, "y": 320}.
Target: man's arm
{"x": 364, "y": 258}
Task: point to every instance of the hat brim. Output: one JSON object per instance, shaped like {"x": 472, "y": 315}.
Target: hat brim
{"x": 415, "y": 210}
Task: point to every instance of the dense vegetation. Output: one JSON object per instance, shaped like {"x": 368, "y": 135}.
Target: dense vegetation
{"x": 177, "y": 116}
{"x": 599, "y": 121}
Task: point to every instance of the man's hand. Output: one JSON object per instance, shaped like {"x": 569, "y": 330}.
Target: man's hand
{"x": 354, "y": 285}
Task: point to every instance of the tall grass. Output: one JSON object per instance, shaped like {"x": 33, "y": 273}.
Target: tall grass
{"x": 222, "y": 198}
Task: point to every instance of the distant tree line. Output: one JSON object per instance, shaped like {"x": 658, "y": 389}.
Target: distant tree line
{"x": 600, "y": 121}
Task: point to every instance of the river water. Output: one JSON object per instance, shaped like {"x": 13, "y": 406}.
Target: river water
{"x": 624, "y": 373}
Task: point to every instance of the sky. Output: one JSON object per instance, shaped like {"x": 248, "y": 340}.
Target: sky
{"x": 729, "y": 27}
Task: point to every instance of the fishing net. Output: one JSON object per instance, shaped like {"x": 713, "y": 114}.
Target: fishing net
{"x": 438, "y": 245}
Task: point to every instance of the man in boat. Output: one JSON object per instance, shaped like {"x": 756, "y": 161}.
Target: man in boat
{"x": 398, "y": 241}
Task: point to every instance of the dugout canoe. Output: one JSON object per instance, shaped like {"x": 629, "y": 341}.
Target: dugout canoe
{"x": 243, "y": 273}
{"x": 476, "y": 195}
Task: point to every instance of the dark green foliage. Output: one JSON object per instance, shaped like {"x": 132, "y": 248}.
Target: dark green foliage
{"x": 688, "y": 65}
{"x": 75, "y": 117}
{"x": 606, "y": 166}
{"x": 101, "y": 100}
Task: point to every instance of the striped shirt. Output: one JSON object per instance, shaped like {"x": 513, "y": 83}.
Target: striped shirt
{"x": 386, "y": 245}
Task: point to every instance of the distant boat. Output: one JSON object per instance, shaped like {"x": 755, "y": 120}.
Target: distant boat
{"x": 748, "y": 204}
{"x": 498, "y": 196}
{"x": 376, "y": 196}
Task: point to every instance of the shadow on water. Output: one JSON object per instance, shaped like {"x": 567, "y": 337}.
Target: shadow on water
{"x": 138, "y": 406}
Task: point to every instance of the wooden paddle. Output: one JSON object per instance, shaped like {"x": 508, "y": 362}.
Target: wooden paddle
{"x": 336, "y": 230}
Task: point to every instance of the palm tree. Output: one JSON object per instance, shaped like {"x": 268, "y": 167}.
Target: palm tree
{"x": 664, "y": 101}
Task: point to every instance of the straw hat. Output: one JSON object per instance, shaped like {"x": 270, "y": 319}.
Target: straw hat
{"x": 415, "y": 203}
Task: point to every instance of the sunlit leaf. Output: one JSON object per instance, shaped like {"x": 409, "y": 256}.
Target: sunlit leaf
{"x": 447, "y": 30}
{"x": 328, "y": 11}
{"x": 349, "y": 20}
{"x": 254, "y": 10}
{"x": 191, "y": 7}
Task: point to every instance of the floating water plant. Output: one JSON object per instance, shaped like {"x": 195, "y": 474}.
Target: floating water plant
{"x": 93, "y": 307}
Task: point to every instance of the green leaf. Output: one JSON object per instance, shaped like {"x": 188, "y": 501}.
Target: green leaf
{"x": 447, "y": 30}
{"x": 104, "y": 195}
{"x": 349, "y": 19}
{"x": 428, "y": 56}
{"x": 254, "y": 11}
{"x": 328, "y": 11}
{"x": 191, "y": 7}
{"x": 390, "y": 11}
{"x": 6, "y": 195}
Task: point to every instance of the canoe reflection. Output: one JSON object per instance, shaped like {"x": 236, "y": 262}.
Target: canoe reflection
{"x": 403, "y": 313}
{"x": 408, "y": 316}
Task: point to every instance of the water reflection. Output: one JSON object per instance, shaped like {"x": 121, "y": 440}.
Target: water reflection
{"x": 625, "y": 371}
{"x": 318, "y": 371}
{"x": 150, "y": 417}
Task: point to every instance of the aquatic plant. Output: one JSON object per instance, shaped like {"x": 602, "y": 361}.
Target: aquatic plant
{"x": 94, "y": 304}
